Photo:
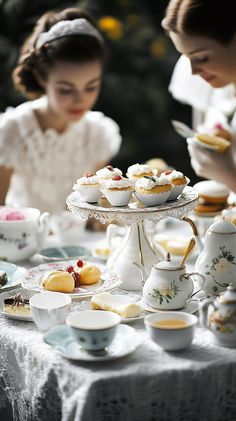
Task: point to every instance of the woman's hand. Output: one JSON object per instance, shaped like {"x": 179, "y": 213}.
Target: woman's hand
{"x": 213, "y": 165}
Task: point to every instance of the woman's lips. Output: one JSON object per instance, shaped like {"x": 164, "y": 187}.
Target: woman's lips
{"x": 76, "y": 111}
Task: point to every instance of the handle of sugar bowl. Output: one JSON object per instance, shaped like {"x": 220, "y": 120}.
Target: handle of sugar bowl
{"x": 188, "y": 275}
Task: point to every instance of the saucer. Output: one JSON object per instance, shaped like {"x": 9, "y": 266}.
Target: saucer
{"x": 191, "y": 307}
{"x": 66, "y": 252}
{"x": 62, "y": 339}
{"x": 14, "y": 273}
{"x": 7, "y": 294}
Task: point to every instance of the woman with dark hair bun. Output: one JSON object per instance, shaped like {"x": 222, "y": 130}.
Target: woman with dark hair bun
{"x": 49, "y": 141}
{"x": 205, "y": 32}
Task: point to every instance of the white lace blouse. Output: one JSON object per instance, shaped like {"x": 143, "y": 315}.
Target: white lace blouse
{"x": 46, "y": 164}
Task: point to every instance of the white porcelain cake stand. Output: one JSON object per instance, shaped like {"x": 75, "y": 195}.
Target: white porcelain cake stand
{"x": 135, "y": 247}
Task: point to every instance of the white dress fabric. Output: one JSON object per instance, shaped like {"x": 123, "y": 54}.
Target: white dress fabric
{"x": 46, "y": 164}
{"x": 216, "y": 104}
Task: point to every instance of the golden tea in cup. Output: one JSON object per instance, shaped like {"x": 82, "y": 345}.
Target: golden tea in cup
{"x": 170, "y": 324}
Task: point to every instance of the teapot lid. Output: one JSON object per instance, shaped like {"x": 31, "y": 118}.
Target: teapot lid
{"x": 167, "y": 264}
{"x": 222, "y": 227}
{"x": 228, "y": 296}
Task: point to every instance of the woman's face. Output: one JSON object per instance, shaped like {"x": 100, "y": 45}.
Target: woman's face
{"x": 72, "y": 89}
{"x": 213, "y": 61}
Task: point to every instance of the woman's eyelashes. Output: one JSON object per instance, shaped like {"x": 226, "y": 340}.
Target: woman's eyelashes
{"x": 89, "y": 89}
{"x": 202, "y": 59}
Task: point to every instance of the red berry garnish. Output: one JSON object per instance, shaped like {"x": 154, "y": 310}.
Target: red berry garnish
{"x": 168, "y": 172}
{"x": 219, "y": 126}
{"x": 117, "y": 177}
{"x": 80, "y": 263}
{"x": 88, "y": 174}
{"x": 76, "y": 277}
{"x": 70, "y": 269}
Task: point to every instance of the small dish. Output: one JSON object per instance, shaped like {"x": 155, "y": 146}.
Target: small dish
{"x": 191, "y": 307}
{"x": 14, "y": 273}
{"x": 108, "y": 281}
{"x": 102, "y": 253}
{"x": 67, "y": 252}
{"x": 7, "y": 294}
{"x": 203, "y": 145}
{"x": 62, "y": 339}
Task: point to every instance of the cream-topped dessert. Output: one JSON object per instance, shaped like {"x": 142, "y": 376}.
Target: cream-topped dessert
{"x": 213, "y": 197}
{"x": 178, "y": 182}
{"x": 136, "y": 171}
{"x": 17, "y": 304}
{"x": 154, "y": 190}
{"x": 88, "y": 187}
{"x": 108, "y": 172}
{"x": 117, "y": 190}
{"x": 120, "y": 304}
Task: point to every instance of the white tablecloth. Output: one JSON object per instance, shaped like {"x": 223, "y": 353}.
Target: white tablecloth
{"x": 36, "y": 383}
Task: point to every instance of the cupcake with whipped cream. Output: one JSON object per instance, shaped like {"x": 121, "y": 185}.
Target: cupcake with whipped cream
{"x": 117, "y": 190}
{"x": 178, "y": 182}
{"x": 88, "y": 187}
{"x": 154, "y": 190}
{"x": 137, "y": 171}
{"x": 108, "y": 172}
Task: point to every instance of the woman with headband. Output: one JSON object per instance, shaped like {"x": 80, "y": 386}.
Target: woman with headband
{"x": 49, "y": 141}
{"x": 205, "y": 32}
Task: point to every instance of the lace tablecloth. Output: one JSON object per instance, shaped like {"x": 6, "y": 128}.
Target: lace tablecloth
{"x": 148, "y": 385}
{"x": 37, "y": 384}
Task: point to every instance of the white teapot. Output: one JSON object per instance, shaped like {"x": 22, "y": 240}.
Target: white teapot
{"x": 168, "y": 286}
{"x": 219, "y": 316}
{"x": 217, "y": 261}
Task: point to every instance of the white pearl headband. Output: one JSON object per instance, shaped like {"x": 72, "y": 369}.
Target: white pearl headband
{"x": 64, "y": 28}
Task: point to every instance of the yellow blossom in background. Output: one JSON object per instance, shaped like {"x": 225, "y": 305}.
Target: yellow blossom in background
{"x": 133, "y": 20}
{"x": 158, "y": 47}
{"x": 112, "y": 27}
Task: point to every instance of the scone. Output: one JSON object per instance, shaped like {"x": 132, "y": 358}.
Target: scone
{"x": 153, "y": 191}
{"x": 117, "y": 190}
{"x": 88, "y": 187}
{"x": 58, "y": 280}
{"x": 137, "y": 171}
{"x": 217, "y": 142}
{"x": 89, "y": 274}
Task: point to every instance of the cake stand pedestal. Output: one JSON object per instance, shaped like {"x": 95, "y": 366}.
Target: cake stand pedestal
{"x": 135, "y": 247}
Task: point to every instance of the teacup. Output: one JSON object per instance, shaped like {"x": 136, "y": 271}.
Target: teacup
{"x": 93, "y": 330}
{"x": 171, "y": 330}
{"x": 49, "y": 309}
{"x": 20, "y": 239}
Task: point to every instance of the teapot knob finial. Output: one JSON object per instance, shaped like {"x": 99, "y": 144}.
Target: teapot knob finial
{"x": 168, "y": 259}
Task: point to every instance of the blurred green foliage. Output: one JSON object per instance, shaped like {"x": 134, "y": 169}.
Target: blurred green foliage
{"x": 135, "y": 87}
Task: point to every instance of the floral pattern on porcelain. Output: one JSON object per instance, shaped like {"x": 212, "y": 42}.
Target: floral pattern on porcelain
{"x": 165, "y": 294}
{"x": 223, "y": 323}
{"x": 218, "y": 265}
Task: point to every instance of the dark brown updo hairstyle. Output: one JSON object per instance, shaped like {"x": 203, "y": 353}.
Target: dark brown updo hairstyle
{"x": 209, "y": 18}
{"x": 77, "y": 48}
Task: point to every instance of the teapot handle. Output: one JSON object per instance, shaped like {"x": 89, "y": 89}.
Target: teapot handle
{"x": 195, "y": 232}
{"x": 188, "y": 275}
{"x": 203, "y": 312}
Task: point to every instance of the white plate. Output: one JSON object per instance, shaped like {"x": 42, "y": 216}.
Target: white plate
{"x": 61, "y": 339}
{"x": 85, "y": 305}
{"x": 28, "y": 294}
{"x": 191, "y": 307}
{"x": 108, "y": 281}
{"x": 14, "y": 273}
{"x": 204, "y": 145}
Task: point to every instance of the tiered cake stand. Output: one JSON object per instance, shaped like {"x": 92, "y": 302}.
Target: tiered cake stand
{"x": 135, "y": 247}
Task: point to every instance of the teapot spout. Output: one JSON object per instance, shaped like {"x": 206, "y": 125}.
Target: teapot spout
{"x": 195, "y": 233}
{"x": 144, "y": 273}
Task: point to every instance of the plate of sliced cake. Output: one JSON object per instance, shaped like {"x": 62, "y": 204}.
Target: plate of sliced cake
{"x": 15, "y": 304}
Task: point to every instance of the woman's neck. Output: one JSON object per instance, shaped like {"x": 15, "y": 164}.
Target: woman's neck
{"x": 48, "y": 119}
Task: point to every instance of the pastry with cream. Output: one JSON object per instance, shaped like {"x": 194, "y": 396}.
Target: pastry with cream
{"x": 178, "y": 182}
{"x": 221, "y": 131}
{"x": 154, "y": 190}
{"x": 108, "y": 172}
{"x": 136, "y": 171}
{"x": 17, "y": 304}
{"x": 117, "y": 190}
{"x": 218, "y": 143}
{"x": 119, "y": 304}
{"x": 58, "y": 280}
{"x": 212, "y": 199}
{"x": 88, "y": 187}
{"x": 158, "y": 165}
{"x": 88, "y": 274}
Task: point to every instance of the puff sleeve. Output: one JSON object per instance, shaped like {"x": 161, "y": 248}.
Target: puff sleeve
{"x": 9, "y": 139}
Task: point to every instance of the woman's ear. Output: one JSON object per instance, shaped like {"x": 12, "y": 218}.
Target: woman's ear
{"x": 41, "y": 80}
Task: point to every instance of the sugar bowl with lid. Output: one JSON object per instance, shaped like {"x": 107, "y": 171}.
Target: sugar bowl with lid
{"x": 169, "y": 286}
{"x": 219, "y": 316}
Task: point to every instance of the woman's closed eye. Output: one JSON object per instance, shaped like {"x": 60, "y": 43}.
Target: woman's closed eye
{"x": 65, "y": 91}
{"x": 92, "y": 88}
{"x": 200, "y": 59}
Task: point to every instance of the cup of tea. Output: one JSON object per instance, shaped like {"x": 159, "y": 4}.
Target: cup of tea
{"x": 171, "y": 330}
{"x": 49, "y": 309}
{"x": 93, "y": 330}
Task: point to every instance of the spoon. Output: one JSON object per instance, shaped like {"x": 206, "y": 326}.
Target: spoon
{"x": 190, "y": 247}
